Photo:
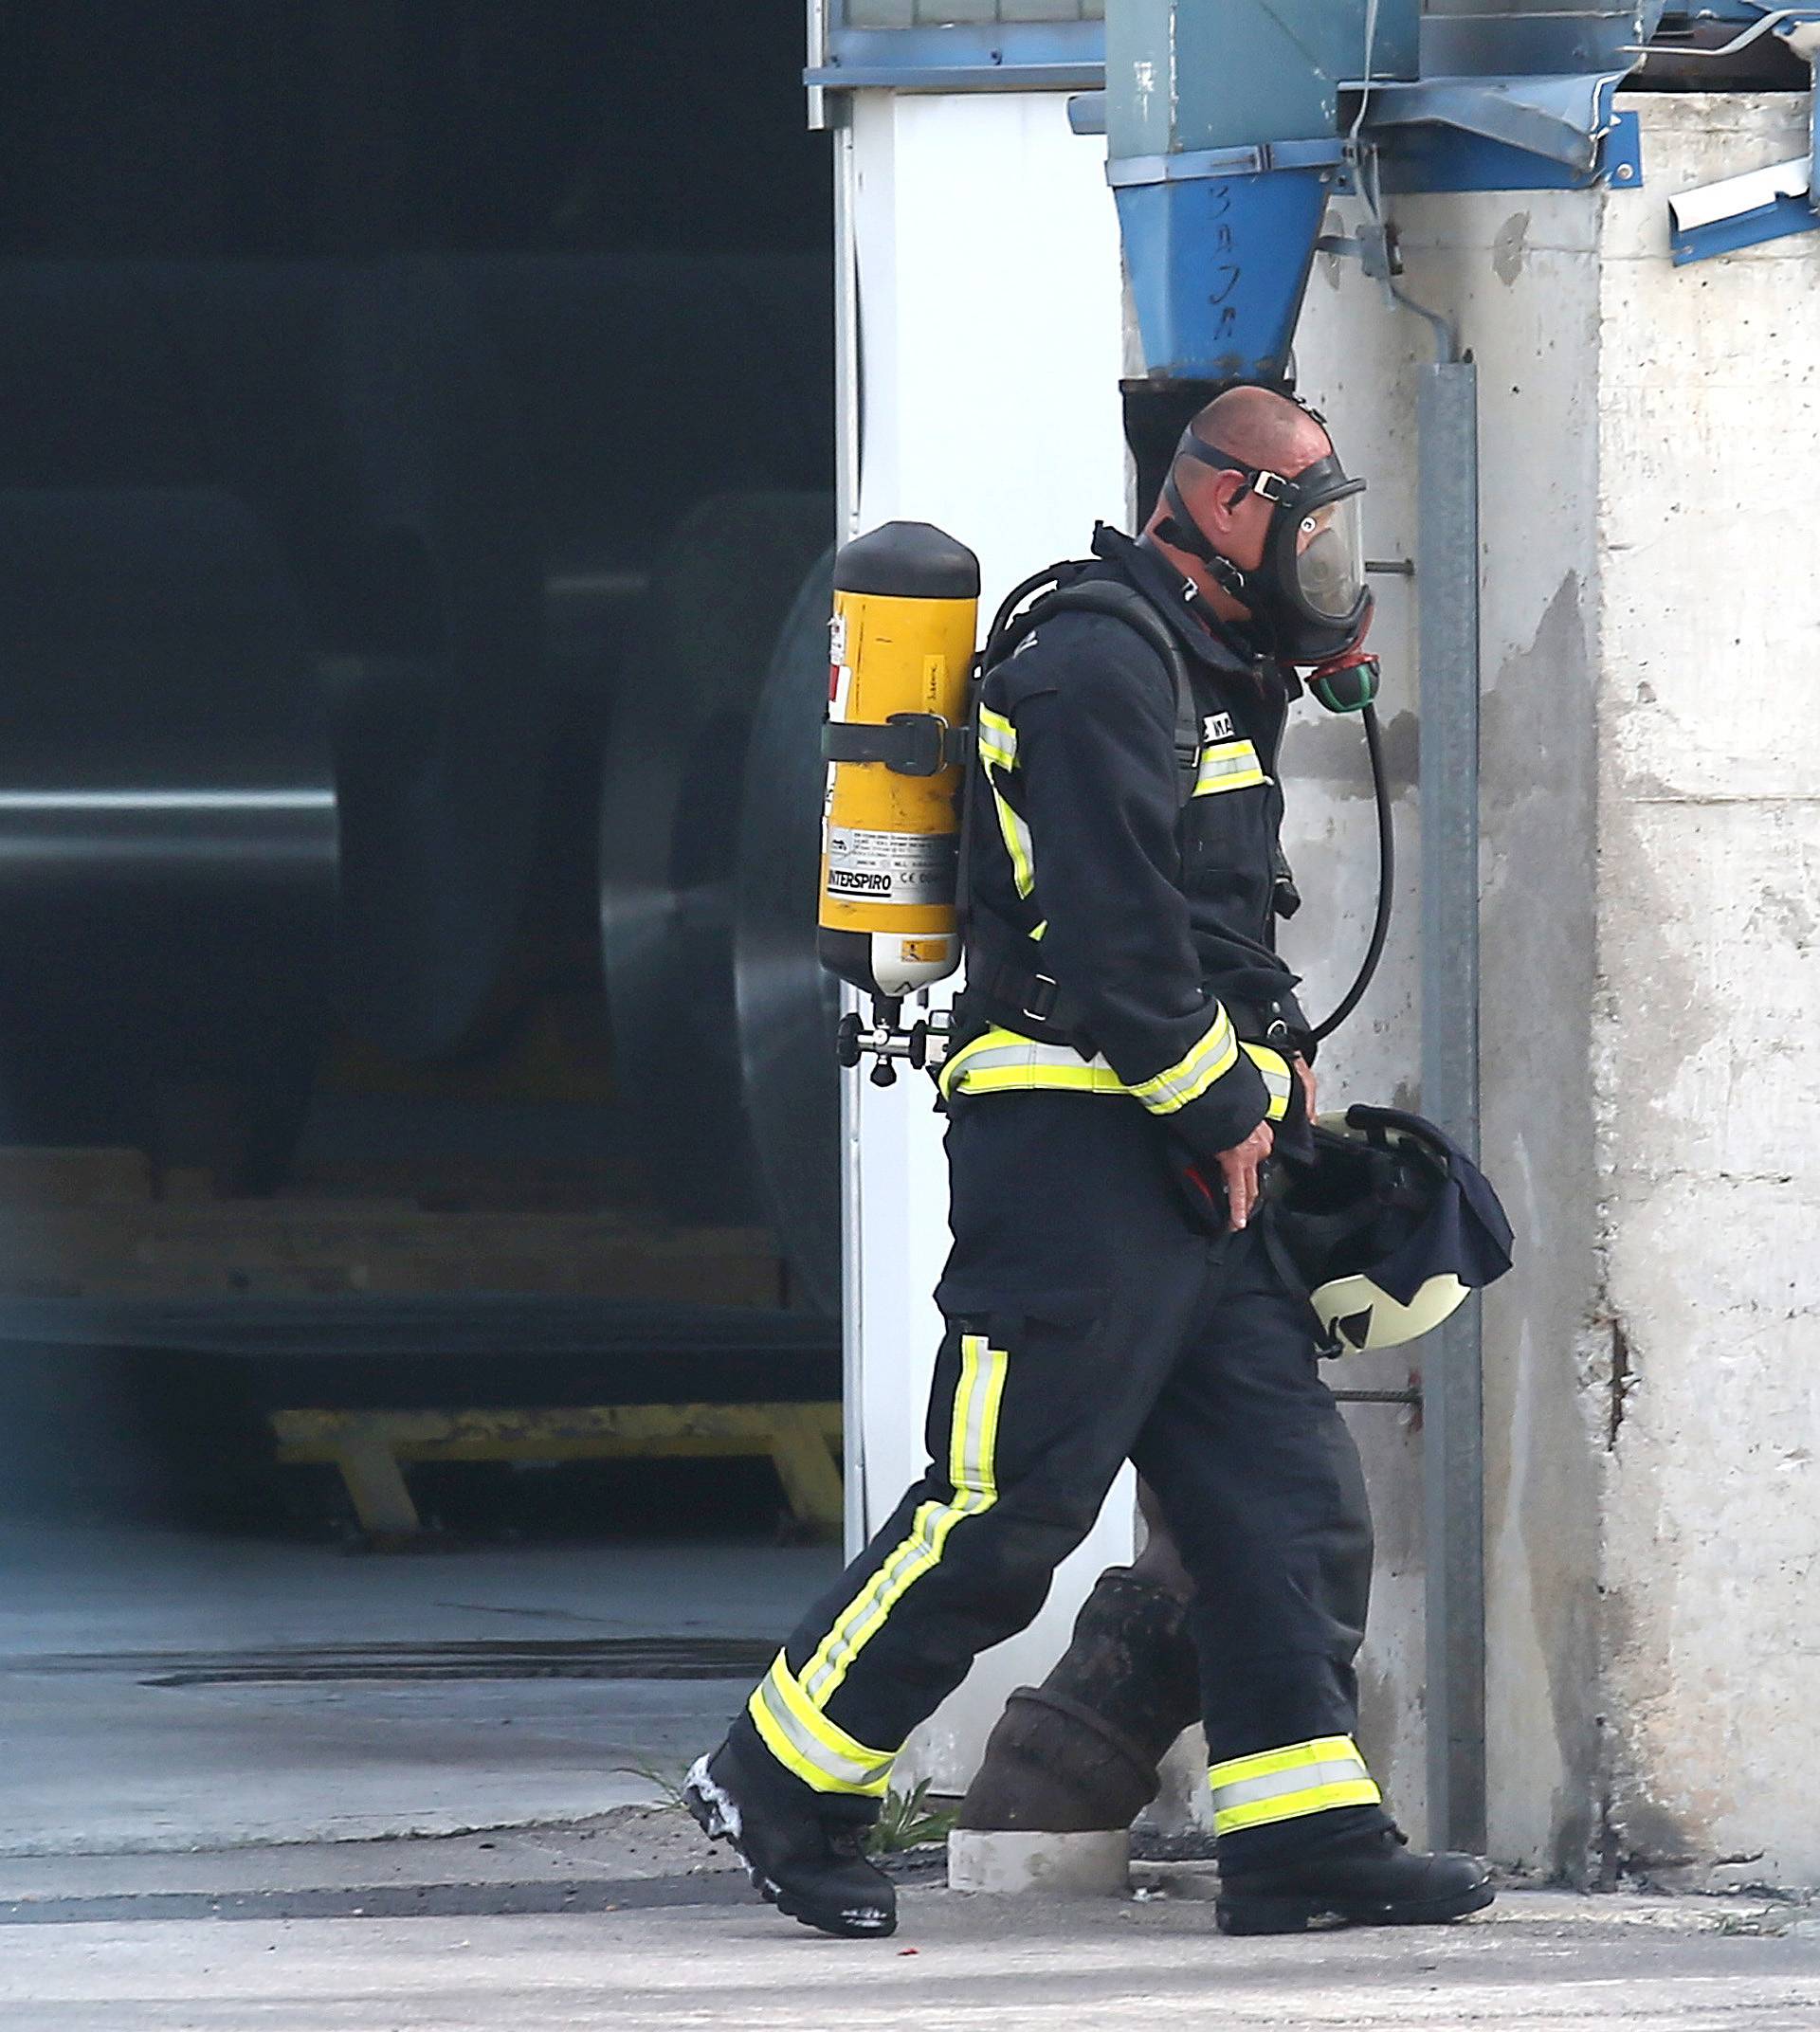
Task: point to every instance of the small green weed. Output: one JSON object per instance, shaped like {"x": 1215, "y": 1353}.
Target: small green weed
{"x": 666, "y": 1784}
{"x": 908, "y": 1821}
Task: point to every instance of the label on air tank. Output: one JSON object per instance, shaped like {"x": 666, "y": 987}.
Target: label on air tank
{"x": 890, "y": 867}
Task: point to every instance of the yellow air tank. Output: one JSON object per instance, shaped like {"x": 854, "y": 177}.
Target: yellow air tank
{"x": 906, "y": 609}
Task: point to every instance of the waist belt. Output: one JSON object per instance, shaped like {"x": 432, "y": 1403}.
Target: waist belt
{"x": 1006, "y": 987}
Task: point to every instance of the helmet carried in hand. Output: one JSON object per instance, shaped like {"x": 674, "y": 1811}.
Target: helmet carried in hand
{"x": 1387, "y": 1230}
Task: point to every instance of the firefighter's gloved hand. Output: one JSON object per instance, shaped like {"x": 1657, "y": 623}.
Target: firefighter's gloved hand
{"x": 1240, "y": 1169}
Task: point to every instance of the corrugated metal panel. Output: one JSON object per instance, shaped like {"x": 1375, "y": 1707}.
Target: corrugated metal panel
{"x": 949, "y": 13}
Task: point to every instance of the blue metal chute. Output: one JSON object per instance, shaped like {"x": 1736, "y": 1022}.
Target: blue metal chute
{"x": 1219, "y": 266}
{"x": 1224, "y": 143}
{"x": 1230, "y": 126}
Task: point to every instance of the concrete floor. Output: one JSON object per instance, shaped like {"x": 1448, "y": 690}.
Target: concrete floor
{"x": 95, "y": 1760}
{"x": 180, "y": 1856}
{"x": 695, "y": 1951}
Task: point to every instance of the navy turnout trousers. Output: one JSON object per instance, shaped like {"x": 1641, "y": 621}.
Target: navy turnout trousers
{"x": 1089, "y": 1321}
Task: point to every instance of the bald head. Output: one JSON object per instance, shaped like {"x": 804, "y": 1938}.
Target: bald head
{"x": 1263, "y": 429}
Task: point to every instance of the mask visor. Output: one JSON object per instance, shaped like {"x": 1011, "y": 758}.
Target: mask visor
{"x": 1330, "y": 558}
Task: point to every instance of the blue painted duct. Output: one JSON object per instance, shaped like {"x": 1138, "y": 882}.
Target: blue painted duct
{"x": 1232, "y": 124}
{"x": 1224, "y": 143}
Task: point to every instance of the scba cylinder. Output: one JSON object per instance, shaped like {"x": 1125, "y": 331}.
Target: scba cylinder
{"x": 906, "y": 610}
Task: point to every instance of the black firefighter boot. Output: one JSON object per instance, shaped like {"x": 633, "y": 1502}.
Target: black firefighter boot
{"x": 811, "y": 1866}
{"x": 1367, "y": 1878}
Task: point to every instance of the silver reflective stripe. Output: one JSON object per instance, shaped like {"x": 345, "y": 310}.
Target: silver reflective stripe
{"x": 1230, "y": 766}
{"x": 969, "y": 1453}
{"x": 1191, "y": 1077}
{"x": 997, "y": 740}
{"x": 998, "y": 747}
{"x": 981, "y": 1389}
{"x": 1279, "y": 1085}
{"x": 1282, "y": 1784}
{"x": 845, "y": 1770}
{"x": 1018, "y": 844}
{"x": 992, "y": 1058}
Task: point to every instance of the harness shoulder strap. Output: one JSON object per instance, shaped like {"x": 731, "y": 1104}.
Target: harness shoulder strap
{"x": 1005, "y": 973}
{"x": 1125, "y": 604}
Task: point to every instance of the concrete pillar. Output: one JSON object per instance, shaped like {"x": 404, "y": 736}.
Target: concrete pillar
{"x": 1651, "y": 1067}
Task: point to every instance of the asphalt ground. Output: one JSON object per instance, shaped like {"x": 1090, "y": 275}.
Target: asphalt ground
{"x": 268, "y": 1788}
{"x": 557, "y": 1930}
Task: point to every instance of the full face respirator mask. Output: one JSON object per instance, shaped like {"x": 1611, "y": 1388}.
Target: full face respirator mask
{"x": 1308, "y": 594}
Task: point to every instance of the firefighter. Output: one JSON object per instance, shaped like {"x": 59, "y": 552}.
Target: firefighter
{"x": 1128, "y": 1050}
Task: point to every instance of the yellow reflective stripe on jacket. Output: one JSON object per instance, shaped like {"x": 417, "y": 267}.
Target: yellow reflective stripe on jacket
{"x": 1283, "y": 1785}
{"x": 999, "y": 1061}
{"x": 972, "y": 1473}
{"x": 998, "y": 747}
{"x": 997, "y": 740}
{"x": 1192, "y": 1074}
{"x": 1278, "y": 1077}
{"x": 1228, "y": 766}
{"x": 806, "y": 1742}
{"x": 1018, "y": 844}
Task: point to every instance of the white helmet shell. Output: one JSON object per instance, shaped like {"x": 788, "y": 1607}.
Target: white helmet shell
{"x": 1361, "y": 1316}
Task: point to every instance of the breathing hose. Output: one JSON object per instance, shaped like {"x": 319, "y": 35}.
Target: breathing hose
{"x": 1386, "y": 880}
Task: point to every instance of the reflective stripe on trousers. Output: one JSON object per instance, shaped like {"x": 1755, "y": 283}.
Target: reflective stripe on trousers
{"x": 787, "y": 1708}
{"x": 806, "y": 1742}
{"x": 1283, "y": 1785}
{"x": 1000, "y": 1061}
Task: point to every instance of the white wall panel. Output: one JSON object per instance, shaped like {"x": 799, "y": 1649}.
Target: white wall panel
{"x": 990, "y": 348}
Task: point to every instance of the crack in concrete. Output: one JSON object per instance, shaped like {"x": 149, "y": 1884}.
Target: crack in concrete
{"x": 1622, "y": 1380}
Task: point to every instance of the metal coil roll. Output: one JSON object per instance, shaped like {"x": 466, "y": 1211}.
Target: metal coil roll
{"x": 683, "y": 802}
{"x": 359, "y": 411}
{"x": 168, "y": 836}
{"x": 789, "y": 1002}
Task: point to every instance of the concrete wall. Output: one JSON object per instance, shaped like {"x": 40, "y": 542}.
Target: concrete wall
{"x": 1707, "y": 1047}
{"x": 1651, "y": 612}
{"x": 1520, "y": 277}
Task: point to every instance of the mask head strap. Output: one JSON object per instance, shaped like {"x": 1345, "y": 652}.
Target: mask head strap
{"x": 1178, "y": 528}
{"x": 1270, "y": 486}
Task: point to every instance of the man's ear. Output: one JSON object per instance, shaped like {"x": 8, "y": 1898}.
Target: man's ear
{"x": 1225, "y": 492}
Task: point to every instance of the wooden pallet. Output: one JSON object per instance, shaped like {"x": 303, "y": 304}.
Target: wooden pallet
{"x": 280, "y": 1248}
{"x": 372, "y": 1448}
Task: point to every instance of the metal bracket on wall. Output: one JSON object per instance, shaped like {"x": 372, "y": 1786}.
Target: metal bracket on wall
{"x": 1502, "y": 134}
{"x": 1374, "y": 246}
{"x": 959, "y": 56}
{"x": 1743, "y": 211}
{"x": 1455, "y": 134}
